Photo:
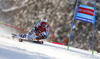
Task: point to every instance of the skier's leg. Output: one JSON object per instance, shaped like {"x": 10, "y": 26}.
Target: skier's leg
{"x": 19, "y": 36}
{"x": 25, "y": 36}
{"x": 43, "y": 35}
{"x": 31, "y": 35}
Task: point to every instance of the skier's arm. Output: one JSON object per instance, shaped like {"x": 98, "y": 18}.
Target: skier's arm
{"x": 36, "y": 25}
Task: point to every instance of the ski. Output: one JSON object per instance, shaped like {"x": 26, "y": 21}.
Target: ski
{"x": 40, "y": 42}
{"x": 21, "y": 40}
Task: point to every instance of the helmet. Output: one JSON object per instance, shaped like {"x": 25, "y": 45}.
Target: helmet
{"x": 44, "y": 19}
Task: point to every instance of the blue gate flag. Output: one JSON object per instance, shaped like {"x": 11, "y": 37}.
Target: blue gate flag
{"x": 85, "y": 13}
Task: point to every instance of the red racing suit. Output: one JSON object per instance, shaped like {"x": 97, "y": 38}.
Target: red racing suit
{"x": 43, "y": 31}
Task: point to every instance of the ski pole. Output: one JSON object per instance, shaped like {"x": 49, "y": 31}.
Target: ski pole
{"x": 12, "y": 27}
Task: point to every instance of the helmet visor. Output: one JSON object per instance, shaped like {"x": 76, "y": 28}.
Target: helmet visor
{"x": 44, "y": 23}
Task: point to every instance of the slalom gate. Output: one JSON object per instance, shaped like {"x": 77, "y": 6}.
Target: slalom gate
{"x": 57, "y": 42}
{"x": 86, "y": 14}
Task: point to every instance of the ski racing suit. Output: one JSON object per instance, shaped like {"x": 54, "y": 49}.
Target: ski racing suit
{"x": 38, "y": 28}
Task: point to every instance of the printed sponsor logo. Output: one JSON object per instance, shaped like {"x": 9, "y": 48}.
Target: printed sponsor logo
{"x": 84, "y": 19}
{"x": 85, "y": 11}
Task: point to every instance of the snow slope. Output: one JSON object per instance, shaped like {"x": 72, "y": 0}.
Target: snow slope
{"x": 12, "y": 49}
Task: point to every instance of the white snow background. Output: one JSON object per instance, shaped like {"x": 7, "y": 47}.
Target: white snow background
{"x": 13, "y": 49}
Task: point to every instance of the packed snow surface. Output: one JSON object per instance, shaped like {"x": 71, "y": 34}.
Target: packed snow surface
{"x": 12, "y": 49}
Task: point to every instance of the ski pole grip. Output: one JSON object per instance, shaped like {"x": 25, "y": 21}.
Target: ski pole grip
{"x": 37, "y": 34}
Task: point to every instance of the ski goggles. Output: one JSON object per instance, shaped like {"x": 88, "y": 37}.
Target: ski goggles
{"x": 44, "y": 23}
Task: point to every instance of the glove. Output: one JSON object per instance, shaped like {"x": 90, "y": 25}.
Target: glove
{"x": 37, "y": 34}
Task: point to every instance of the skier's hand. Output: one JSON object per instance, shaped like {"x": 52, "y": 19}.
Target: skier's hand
{"x": 37, "y": 34}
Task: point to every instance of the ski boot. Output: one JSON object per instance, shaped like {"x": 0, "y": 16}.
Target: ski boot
{"x": 13, "y": 35}
{"x": 20, "y": 40}
{"x": 39, "y": 38}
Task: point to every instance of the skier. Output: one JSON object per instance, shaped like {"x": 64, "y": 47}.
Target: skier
{"x": 40, "y": 31}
